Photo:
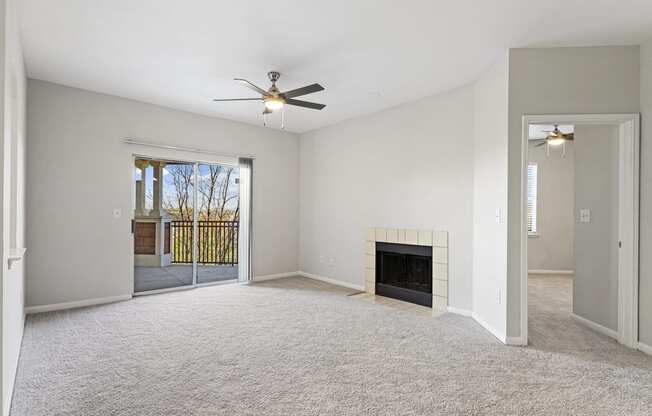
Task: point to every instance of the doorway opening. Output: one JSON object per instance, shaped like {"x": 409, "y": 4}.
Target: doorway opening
{"x": 579, "y": 249}
{"x": 186, "y": 224}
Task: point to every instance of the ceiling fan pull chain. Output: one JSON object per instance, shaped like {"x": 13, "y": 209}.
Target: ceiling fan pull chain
{"x": 283, "y": 118}
{"x": 264, "y": 120}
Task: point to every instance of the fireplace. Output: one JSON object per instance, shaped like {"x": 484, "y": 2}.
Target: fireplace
{"x": 404, "y": 272}
{"x": 426, "y": 243}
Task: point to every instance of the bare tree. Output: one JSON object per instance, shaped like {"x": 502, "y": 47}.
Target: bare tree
{"x": 225, "y": 197}
{"x": 225, "y": 200}
{"x": 218, "y": 201}
{"x": 181, "y": 178}
{"x": 208, "y": 187}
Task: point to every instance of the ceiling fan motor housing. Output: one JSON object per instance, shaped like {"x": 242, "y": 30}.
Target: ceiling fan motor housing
{"x": 273, "y": 76}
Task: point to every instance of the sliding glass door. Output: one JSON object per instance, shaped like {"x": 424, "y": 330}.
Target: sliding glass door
{"x": 185, "y": 224}
{"x": 218, "y": 218}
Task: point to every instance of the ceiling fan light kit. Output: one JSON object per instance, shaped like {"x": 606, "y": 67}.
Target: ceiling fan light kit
{"x": 274, "y": 103}
{"x": 274, "y": 100}
{"x": 555, "y": 138}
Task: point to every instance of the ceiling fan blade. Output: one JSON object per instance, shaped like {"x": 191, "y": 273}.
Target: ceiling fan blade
{"x": 540, "y": 144}
{"x": 570, "y": 136}
{"x": 237, "y": 99}
{"x": 308, "y": 89}
{"x": 252, "y": 86}
{"x": 305, "y": 104}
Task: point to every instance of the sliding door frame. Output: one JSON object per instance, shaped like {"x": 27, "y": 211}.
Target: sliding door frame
{"x": 195, "y": 163}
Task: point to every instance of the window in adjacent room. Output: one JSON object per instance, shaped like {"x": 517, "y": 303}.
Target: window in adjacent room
{"x": 532, "y": 228}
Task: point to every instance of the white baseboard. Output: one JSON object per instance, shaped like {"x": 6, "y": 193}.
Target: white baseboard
{"x": 275, "y": 276}
{"x": 596, "y": 327}
{"x": 459, "y": 311}
{"x": 501, "y": 337}
{"x": 644, "y": 348}
{"x": 75, "y": 304}
{"x": 565, "y": 272}
{"x": 518, "y": 341}
{"x": 332, "y": 281}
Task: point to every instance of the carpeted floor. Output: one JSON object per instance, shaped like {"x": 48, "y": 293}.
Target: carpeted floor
{"x": 298, "y": 347}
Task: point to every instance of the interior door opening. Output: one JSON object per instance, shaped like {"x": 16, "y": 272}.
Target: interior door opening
{"x": 185, "y": 225}
{"x": 579, "y": 254}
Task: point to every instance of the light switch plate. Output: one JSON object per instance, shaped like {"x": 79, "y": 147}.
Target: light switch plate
{"x": 585, "y": 215}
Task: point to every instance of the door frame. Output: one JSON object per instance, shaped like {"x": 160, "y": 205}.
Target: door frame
{"x": 195, "y": 162}
{"x": 628, "y": 215}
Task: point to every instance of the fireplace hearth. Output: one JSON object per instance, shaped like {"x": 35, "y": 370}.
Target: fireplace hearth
{"x": 404, "y": 272}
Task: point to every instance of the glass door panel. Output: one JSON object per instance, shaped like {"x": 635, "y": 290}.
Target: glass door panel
{"x": 218, "y": 209}
{"x": 163, "y": 224}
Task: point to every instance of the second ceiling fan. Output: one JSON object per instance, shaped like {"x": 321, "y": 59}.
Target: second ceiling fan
{"x": 555, "y": 137}
{"x": 274, "y": 99}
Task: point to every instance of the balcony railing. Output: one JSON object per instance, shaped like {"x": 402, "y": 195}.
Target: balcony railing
{"x": 217, "y": 242}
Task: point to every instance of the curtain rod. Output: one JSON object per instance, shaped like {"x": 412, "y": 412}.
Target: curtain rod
{"x": 139, "y": 142}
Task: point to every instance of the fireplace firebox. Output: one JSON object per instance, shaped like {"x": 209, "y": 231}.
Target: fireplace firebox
{"x": 404, "y": 272}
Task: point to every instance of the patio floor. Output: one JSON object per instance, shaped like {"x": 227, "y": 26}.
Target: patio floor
{"x": 177, "y": 275}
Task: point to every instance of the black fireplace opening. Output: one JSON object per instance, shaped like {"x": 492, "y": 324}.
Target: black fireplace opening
{"x": 404, "y": 272}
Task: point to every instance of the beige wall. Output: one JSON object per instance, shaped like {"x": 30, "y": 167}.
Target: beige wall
{"x": 595, "y": 283}
{"x": 645, "y": 272}
{"x": 13, "y": 196}
{"x": 552, "y": 247}
{"x": 407, "y": 167}
{"x": 557, "y": 81}
{"x": 80, "y": 171}
{"x": 490, "y": 196}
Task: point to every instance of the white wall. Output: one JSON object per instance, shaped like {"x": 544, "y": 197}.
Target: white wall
{"x": 13, "y": 199}
{"x": 557, "y": 81}
{"x": 552, "y": 247}
{"x": 407, "y": 167}
{"x": 595, "y": 283}
{"x": 645, "y": 270}
{"x": 80, "y": 170}
{"x": 490, "y": 197}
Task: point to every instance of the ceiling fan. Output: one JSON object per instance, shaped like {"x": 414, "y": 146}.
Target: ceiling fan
{"x": 555, "y": 137}
{"x": 273, "y": 99}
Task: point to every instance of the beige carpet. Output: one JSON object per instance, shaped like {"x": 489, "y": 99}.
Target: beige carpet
{"x": 297, "y": 347}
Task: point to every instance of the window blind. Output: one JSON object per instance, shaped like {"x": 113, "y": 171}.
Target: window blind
{"x": 532, "y": 198}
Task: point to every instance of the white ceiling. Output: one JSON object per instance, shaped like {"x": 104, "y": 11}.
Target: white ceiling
{"x": 369, "y": 54}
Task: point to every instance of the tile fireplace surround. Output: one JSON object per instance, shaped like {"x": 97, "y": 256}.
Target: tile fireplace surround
{"x": 438, "y": 240}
